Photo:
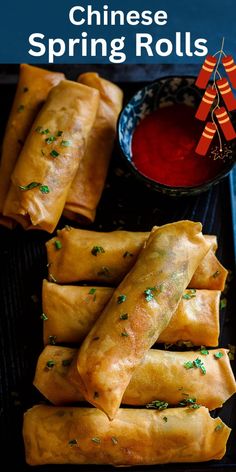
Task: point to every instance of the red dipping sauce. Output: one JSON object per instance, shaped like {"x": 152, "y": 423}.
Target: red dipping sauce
{"x": 163, "y": 148}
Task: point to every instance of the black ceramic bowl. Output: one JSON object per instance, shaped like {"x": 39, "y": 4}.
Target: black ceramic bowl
{"x": 163, "y": 92}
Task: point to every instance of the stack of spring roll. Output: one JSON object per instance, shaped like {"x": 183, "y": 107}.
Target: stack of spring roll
{"x": 162, "y": 287}
{"x": 56, "y": 149}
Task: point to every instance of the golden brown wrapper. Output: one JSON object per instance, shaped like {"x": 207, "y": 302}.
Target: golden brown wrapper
{"x": 149, "y": 295}
{"x": 160, "y": 376}
{"x": 33, "y": 87}
{"x": 75, "y": 261}
{"x": 67, "y": 435}
{"x": 72, "y": 311}
{"x": 87, "y": 186}
{"x": 52, "y": 153}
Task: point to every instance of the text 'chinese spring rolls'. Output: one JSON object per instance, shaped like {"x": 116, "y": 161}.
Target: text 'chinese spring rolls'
{"x": 66, "y": 435}
{"x": 87, "y": 186}
{"x": 51, "y": 154}
{"x": 139, "y": 310}
{"x": 107, "y": 258}
{"x": 162, "y": 378}
{"x": 33, "y": 87}
{"x": 71, "y": 311}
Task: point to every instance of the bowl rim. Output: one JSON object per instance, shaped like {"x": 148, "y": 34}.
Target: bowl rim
{"x": 153, "y": 183}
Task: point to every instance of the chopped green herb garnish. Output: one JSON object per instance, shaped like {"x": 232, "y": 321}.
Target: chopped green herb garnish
{"x": 196, "y": 363}
{"x": 96, "y": 440}
{"x": 97, "y": 250}
{"x": 114, "y": 440}
{"x": 44, "y": 317}
{"x": 190, "y": 294}
{"x": 218, "y": 355}
{"x": 190, "y": 402}
{"x": 125, "y": 316}
{"x": 188, "y": 365}
{"x": 66, "y": 143}
{"x": 58, "y": 244}
{"x": 125, "y": 334}
{"x": 25, "y": 89}
{"x": 223, "y": 303}
{"x": 158, "y": 404}
{"x": 21, "y": 108}
{"x": 29, "y": 186}
{"x": 40, "y": 130}
{"x": 184, "y": 344}
{"x": 204, "y": 351}
{"x": 216, "y": 274}
{"x": 59, "y": 133}
{"x": 165, "y": 419}
{"x": 50, "y": 364}
{"x": 44, "y": 189}
{"x": 95, "y": 395}
{"x": 219, "y": 427}
{"x": 121, "y": 299}
{"x": 52, "y": 340}
{"x": 92, "y": 291}
{"x": 50, "y": 139}
{"x": 72, "y": 442}
{"x": 54, "y": 153}
{"x": 149, "y": 293}
{"x": 127, "y": 254}
{"x": 66, "y": 362}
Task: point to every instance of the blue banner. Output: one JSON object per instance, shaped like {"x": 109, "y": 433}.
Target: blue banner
{"x": 115, "y": 31}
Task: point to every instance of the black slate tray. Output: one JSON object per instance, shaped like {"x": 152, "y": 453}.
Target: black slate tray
{"x": 125, "y": 204}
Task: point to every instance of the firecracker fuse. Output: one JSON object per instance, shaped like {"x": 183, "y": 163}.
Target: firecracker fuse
{"x": 227, "y": 94}
{"x": 205, "y": 105}
{"x": 206, "y": 139}
{"x": 230, "y": 68}
{"x": 225, "y": 123}
{"x": 205, "y": 72}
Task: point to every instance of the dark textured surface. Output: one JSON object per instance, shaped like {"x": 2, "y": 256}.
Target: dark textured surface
{"x": 124, "y": 204}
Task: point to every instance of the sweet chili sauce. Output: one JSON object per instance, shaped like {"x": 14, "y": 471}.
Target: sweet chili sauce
{"x": 163, "y": 148}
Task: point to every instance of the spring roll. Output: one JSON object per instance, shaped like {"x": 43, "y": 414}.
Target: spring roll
{"x": 108, "y": 257}
{"x": 71, "y": 311}
{"x": 51, "y": 155}
{"x": 32, "y": 90}
{"x": 139, "y": 310}
{"x": 69, "y": 435}
{"x": 161, "y": 376}
{"x": 87, "y": 186}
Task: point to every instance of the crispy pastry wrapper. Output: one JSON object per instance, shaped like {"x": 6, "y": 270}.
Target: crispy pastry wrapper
{"x": 87, "y": 186}
{"x": 70, "y": 435}
{"x": 71, "y": 312}
{"x": 149, "y": 295}
{"x": 160, "y": 376}
{"x": 33, "y": 87}
{"x": 51, "y": 154}
{"x": 75, "y": 262}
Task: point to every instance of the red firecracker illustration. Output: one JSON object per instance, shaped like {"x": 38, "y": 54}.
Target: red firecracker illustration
{"x": 206, "y": 139}
{"x": 225, "y": 123}
{"x": 227, "y": 94}
{"x": 220, "y": 91}
{"x": 230, "y": 69}
{"x": 205, "y": 105}
{"x": 206, "y": 71}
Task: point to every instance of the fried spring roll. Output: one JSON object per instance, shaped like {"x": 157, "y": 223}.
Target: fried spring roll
{"x": 71, "y": 312}
{"x": 87, "y": 186}
{"x": 51, "y": 155}
{"x": 32, "y": 90}
{"x": 160, "y": 376}
{"x": 66, "y": 435}
{"x": 139, "y": 310}
{"x": 108, "y": 257}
